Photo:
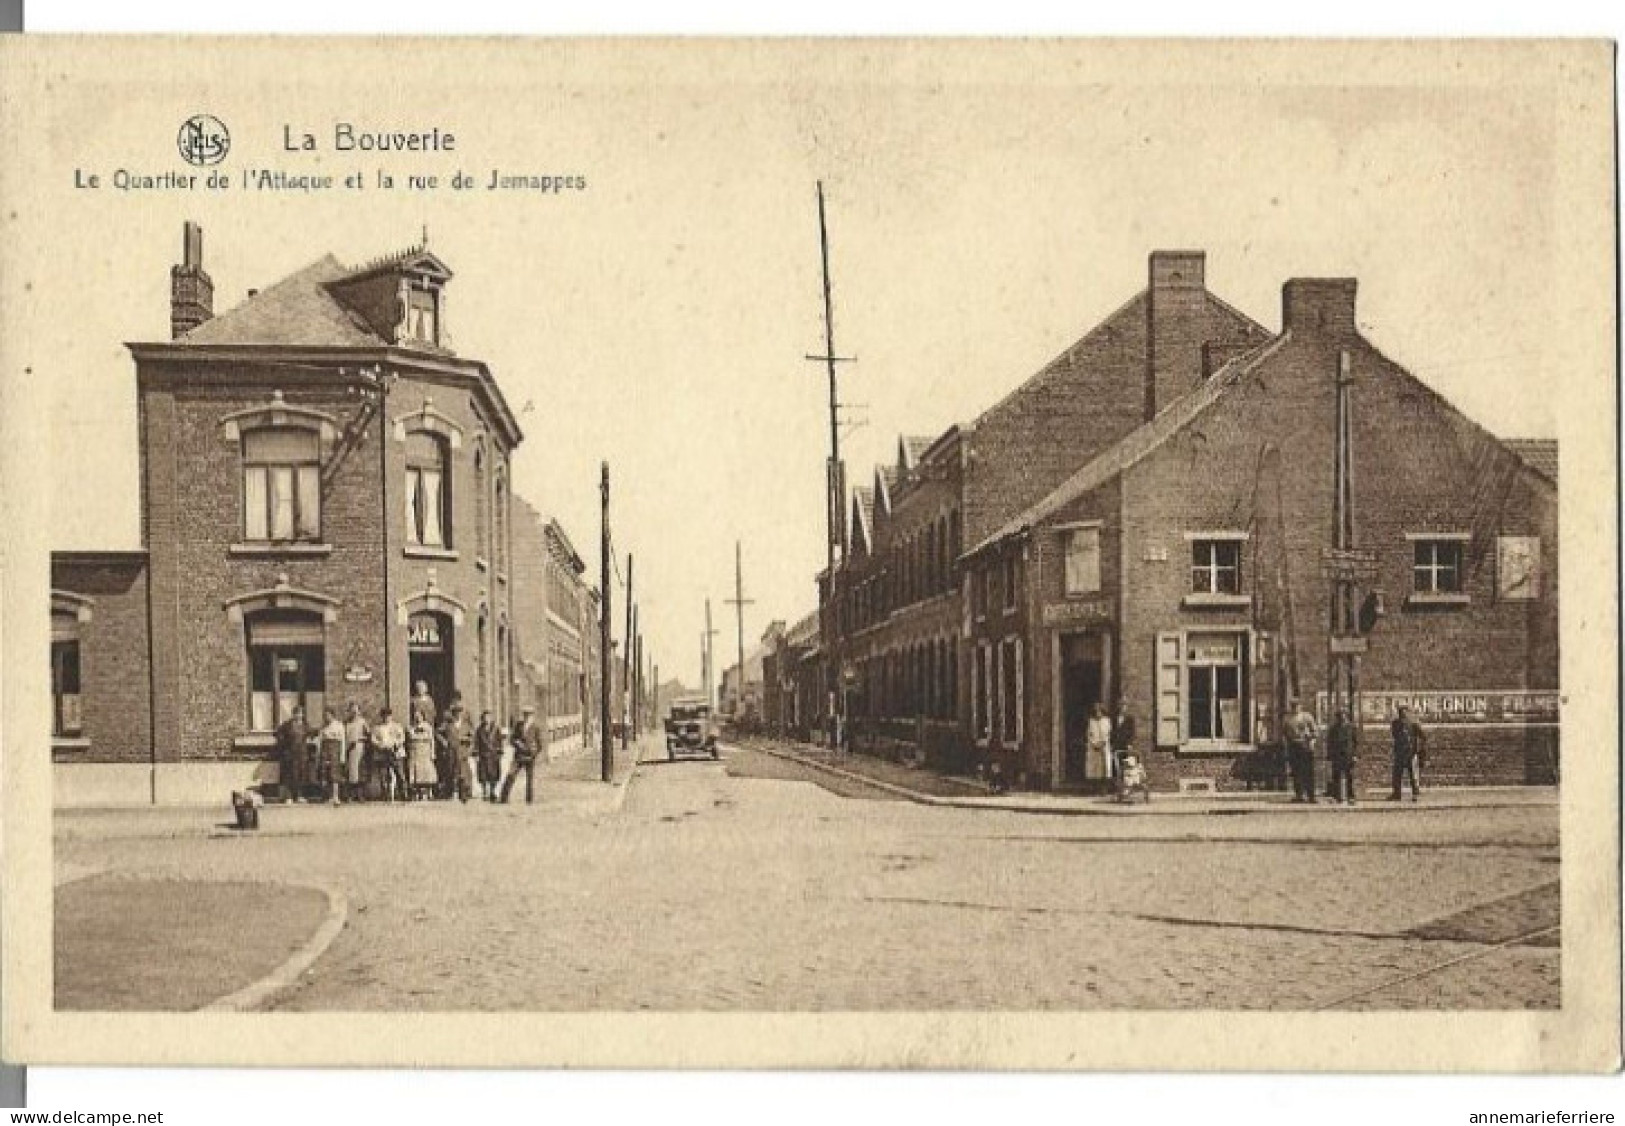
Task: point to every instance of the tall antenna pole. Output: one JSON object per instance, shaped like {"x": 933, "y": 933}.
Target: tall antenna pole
{"x": 606, "y": 747}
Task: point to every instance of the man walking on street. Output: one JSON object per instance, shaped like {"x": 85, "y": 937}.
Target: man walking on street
{"x": 527, "y": 742}
{"x": 1340, "y": 757}
{"x": 1301, "y": 732}
{"x": 1410, "y": 751}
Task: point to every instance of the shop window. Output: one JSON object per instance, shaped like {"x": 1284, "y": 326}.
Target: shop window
{"x": 1083, "y": 560}
{"x": 428, "y": 490}
{"x": 66, "y": 722}
{"x": 282, "y": 495}
{"x": 1216, "y": 566}
{"x": 286, "y": 667}
{"x": 1216, "y": 687}
{"x": 1436, "y": 566}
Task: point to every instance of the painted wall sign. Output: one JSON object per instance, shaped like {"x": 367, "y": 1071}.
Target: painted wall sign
{"x": 1517, "y": 707}
{"x": 1093, "y": 611}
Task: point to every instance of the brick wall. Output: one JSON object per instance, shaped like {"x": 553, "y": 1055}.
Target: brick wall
{"x": 114, "y": 672}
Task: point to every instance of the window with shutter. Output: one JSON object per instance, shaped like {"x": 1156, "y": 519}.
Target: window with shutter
{"x": 1170, "y": 677}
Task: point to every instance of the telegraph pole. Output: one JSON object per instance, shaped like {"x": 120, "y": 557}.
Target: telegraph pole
{"x": 626, "y": 660}
{"x": 606, "y": 748}
{"x": 634, "y": 681}
{"x": 739, "y": 602}
{"x": 708, "y": 658}
{"x": 835, "y": 484}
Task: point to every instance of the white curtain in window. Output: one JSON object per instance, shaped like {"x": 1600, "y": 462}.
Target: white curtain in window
{"x": 310, "y": 502}
{"x": 282, "y": 502}
{"x": 413, "y": 534}
{"x": 433, "y": 533}
{"x": 255, "y": 525}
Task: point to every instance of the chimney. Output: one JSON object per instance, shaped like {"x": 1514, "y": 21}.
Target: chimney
{"x": 191, "y": 293}
{"x": 1313, "y": 307}
{"x": 1176, "y": 325}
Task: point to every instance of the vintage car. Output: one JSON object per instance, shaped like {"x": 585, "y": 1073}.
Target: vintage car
{"x": 690, "y": 730}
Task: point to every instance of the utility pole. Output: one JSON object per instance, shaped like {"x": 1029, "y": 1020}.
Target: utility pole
{"x": 1346, "y": 566}
{"x": 606, "y": 747}
{"x": 634, "y": 684}
{"x": 626, "y": 660}
{"x": 708, "y": 658}
{"x": 654, "y": 697}
{"x": 739, "y": 602}
{"x": 835, "y": 484}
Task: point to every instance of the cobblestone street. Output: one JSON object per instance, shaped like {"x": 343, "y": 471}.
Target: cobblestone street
{"x": 748, "y": 885}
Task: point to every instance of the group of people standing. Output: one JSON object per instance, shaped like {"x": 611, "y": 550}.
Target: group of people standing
{"x": 433, "y": 756}
{"x": 1109, "y": 751}
{"x": 1303, "y": 733}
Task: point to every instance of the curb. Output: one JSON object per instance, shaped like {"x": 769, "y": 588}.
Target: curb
{"x": 1114, "y": 809}
{"x": 256, "y": 994}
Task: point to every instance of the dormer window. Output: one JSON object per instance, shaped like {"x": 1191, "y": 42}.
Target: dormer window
{"x": 423, "y": 313}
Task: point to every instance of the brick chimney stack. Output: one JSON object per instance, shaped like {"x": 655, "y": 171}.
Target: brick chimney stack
{"x": 1177, "y": 302}
{"x": 191, "y": 292}
{"x": 1319, "y": 307}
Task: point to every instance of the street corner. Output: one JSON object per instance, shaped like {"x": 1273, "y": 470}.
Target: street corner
{"x": 229, "y": 944}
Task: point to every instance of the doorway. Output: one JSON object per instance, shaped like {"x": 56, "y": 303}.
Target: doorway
{"x": 429, "y": 649}
{"x": 1083, "y": 685}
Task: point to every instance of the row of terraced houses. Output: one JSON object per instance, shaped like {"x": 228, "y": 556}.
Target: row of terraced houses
{"x": 1146, "y": 522}
{"x": 327, "y": 517}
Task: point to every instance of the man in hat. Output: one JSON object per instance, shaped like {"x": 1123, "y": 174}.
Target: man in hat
{"x": 1410, "y": 751}
{"x": 527, "y": 744}
{"x": 1301, "y": 733}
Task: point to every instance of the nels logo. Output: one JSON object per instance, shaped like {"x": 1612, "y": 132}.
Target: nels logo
{"x": 203, "y": 140}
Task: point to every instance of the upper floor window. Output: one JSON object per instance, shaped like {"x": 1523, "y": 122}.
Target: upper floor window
{"x": 1012, "y": 580}
{"x": 282, "y": 493}
{"x": 1083, "y": 560}
{"x": 428, "y": 490}
{"x": 1436, "y": 566}
{"x": 1216, "y": 566}
{"x": 423, "y": 315}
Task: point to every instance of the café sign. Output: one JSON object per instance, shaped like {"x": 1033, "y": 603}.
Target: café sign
{"x": 1089, "y": 612}
{"x": 423, "y": 633}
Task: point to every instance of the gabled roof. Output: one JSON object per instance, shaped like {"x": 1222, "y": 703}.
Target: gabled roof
{"x": 885, "y": 481}
{"x": 910, "y": 448}
{"x": 863, "y": 514}
{"x": 1539, "y": 454}
{"x": 298, "y": 310}
{"x": 1136, "y": 444}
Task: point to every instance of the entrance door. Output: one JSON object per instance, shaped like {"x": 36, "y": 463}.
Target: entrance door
{"x": 429, "y": 656}
{"x": 1082, "y": 687}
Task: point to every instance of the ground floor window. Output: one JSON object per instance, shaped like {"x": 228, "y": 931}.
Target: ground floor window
{"x": 1010, "y": 692}
{"x": 982, "y": 691}
{"x": 1215, "y": 700}
{"x": 287, "y": 663}
{"x": 65, "y": 718}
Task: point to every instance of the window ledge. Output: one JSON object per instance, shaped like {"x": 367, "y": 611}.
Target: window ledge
{"x": 1216, "y": 601}
{"x": 70, "y": 743}
{"x": 1216, "y": 747}
{"x": 1432, "y": 600}
{"x": 254, "y": 741}
{"x": 482, "y": 564}
{"x": 273, "y": 550}
{"x": 502, "y": 578}
{"x": 418, "y": 551}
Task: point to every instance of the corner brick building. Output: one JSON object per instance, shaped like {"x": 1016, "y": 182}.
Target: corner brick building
{"x": 1181, "y": 572}
{"x": 325, "y": 518}
{"x": 1145, "y": 521}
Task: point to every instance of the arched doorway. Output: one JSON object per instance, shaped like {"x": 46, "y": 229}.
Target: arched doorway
{"x": 430, "y": 649}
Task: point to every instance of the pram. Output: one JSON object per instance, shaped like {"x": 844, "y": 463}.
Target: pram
{"x": 1131, "y": 777}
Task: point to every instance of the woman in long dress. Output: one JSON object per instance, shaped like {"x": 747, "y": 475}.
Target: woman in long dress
{"x": 420, "y": 769}
{"x": 1097, "y": 760}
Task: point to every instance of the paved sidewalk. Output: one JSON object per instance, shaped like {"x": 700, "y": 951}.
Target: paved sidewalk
{"x": 892, "y": 778}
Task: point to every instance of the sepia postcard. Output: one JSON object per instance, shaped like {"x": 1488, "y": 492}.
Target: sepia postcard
{"x": 994, "y": 554}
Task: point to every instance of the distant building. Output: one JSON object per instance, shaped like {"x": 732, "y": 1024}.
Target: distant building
{"x": 556, "y": 619}
{"x": 324, "y": 520}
